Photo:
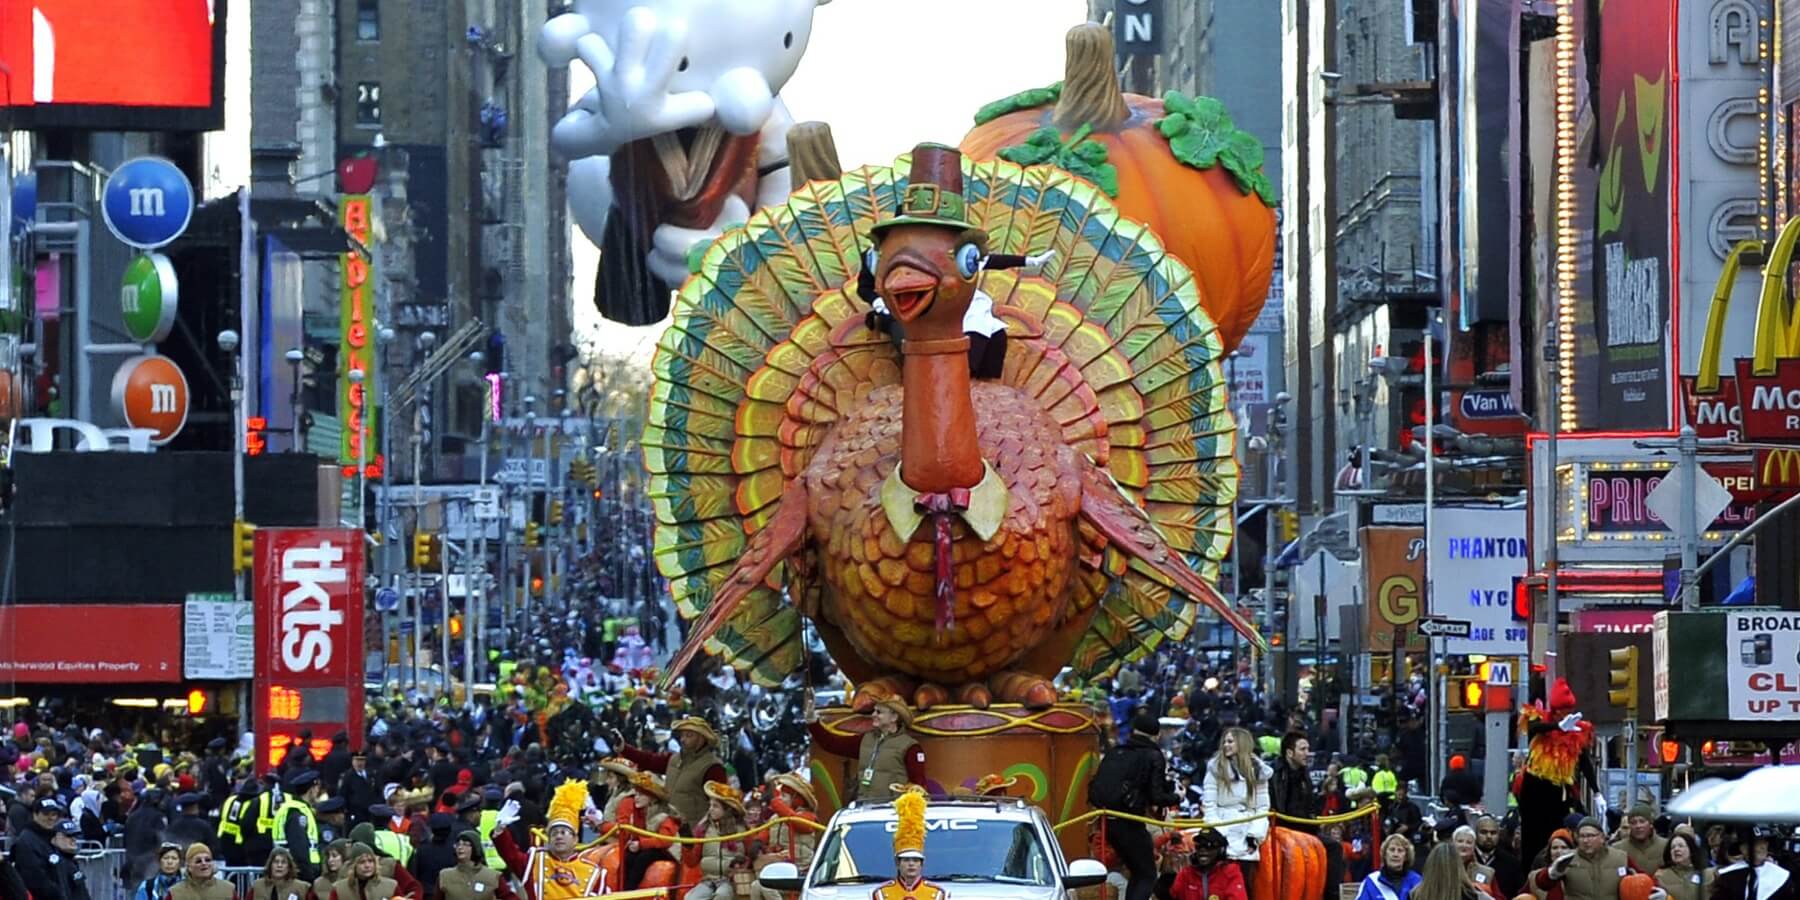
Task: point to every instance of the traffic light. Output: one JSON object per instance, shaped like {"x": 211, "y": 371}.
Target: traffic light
{"x": 531, "y": 534}
{"x": 243, "y": 546}
{"x": 424, "y": 550}
{"x": 1622, "y": 678}
{"x": 198, "y": 702}
{"x": 1466, "y": 692}
{"x": 581, "y": 471}
{"x": 1288, "y": 524}
{"x": 254, "y": 442}
{"x": 556, "y": 511}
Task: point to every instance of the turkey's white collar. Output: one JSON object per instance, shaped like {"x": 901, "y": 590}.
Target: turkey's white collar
{"x": 987, "y": 504}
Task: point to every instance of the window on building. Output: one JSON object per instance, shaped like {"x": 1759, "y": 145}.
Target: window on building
{"x": 368, "y": 103}
{"x": 368, "y": 20}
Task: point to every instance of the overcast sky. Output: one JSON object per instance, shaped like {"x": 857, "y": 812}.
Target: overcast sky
{"x": 876, "y": 71}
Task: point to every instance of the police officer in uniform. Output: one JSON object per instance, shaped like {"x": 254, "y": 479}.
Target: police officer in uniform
{"x": 231, "y": 830}
{"x": 296, "y": 825}
{"x": 330, "y": 812}
{"x": 188, "y": 827}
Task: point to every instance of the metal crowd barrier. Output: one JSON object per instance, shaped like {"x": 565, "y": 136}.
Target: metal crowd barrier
{"x": 100, "y": 868}
{"x": 241, "y": 878}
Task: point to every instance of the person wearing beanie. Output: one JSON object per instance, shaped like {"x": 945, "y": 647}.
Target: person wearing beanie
{"x": 557, "y": 871}
{"x": 280, "y": 880}
{"x": 333, "y": 869}
{"x": 364, "y": 881}
{"x": 1592, "y": 872}
{"x": 470, "y": 878}
{"x": 1640, "y": 841}
{"x": 202, "y": 881}
{"x": 1131, "y": 779}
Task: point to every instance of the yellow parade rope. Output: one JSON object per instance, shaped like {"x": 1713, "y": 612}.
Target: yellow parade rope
{"x": 678, "y": 839}
{"x": 1202, "y": 823}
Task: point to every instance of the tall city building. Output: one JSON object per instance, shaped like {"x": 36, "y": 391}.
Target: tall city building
{"x": 438, "y": 96}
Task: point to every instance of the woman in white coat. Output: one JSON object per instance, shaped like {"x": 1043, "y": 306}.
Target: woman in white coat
{"x": 1237, "y": 787}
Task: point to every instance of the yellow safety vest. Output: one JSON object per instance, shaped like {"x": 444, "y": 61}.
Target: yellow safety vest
{"x": 394, "y": 846}
{"x": 1384, "y": 781}
{"x": 490, "y": 818}
{"x": 265, "y": 817}
{"x": 228, "y": 826}
{"x": 312, "y": 826}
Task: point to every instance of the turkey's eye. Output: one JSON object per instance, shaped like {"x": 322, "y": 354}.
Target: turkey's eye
{"x": 968, "y": 260}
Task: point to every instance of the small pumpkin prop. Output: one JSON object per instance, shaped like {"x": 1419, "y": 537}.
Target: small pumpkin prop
{"x": 1176, "y": 164}
{"x": 1290, "y": 866}
{"x": 1636, "y": 886}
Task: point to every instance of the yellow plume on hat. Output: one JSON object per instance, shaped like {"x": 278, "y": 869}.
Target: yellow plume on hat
{"x": 909, "y": 830}
{"x": 566, "y": 804}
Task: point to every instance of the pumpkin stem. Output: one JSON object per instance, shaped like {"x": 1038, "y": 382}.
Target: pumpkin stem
{"x": 812, "y": 153}
{"x": 1091, "y": 93}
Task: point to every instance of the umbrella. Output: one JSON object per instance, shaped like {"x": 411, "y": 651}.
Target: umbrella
{"x": 1765, "y": 796}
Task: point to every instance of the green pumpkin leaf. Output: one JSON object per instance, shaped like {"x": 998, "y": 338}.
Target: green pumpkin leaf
{"x": 1077, "y": 154}
{"x": 1201, "y": 135}
{"x": 1026, "y": 99}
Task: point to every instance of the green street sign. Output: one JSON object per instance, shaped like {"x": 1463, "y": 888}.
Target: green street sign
{"x": 148, "y": 296}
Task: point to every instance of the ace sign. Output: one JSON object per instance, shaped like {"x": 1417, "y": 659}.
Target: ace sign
{"x": 1762, "y": 664}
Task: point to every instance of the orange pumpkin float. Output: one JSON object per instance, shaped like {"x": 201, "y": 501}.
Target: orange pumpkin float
{"x": 1177, "y": 164}
{"x": 1636, "y": 886}
{"x": 1291, "y": 866}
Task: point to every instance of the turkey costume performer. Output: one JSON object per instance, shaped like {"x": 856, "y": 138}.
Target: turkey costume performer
{"x": 909, "y": 853}
{"x": 1558, "y": 771}
{"x": 557, "y": 871}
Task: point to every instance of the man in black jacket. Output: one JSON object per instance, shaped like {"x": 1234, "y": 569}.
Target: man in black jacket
{"x": 34, "y": 856}
{"x": 1135, "y": 776}
{"x": 357, "y": 787}
{"x": 1290, "y": 788}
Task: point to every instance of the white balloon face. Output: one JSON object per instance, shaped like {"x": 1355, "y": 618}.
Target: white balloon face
{"x": 767, "y": 36}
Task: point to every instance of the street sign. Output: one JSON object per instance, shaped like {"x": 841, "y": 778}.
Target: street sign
{"x": 387, "y": 600}
{"x": 147, "y": 202}
{"x": 1488, "y": 405}
{"x": 485, "y": 503}
{"x": 534, "y": 472}
{"x": 1667, "y": 499}
{"x": 148, "y": 296}
{"x": 1449, "y": 628}
{"x": 1499, "y": 674}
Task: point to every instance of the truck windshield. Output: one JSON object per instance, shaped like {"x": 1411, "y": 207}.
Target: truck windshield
{"x": 956, "y": 849}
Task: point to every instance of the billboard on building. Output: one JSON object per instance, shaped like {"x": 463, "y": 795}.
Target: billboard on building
{"x": 356, "y": 348}
{"x": 1475, "y": 555}
{"x": 68, "y": 643}
{"x": 118, "y": 65}
{"x": 309, "y": 628}
{"x": 1622, "y": 371}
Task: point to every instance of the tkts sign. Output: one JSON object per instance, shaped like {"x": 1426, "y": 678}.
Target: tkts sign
{"x": 309, "y": 658}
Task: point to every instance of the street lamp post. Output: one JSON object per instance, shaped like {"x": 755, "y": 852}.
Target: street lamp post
{"x": 294, "y": 357}
{"x": 228, "y": 342}
{"x": 530, "y": 457}
{"x": 476, "y": 635}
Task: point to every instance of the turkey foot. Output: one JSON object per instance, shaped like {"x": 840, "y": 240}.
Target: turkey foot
{"x": 975, "y": 694}
{"x": 929, "y": 695}
{"x": 876, "y": 690}
{"x": 1024, "y": 688}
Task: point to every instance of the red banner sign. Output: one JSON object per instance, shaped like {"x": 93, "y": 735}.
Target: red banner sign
{"x": 1770, "y": 404}
{"x": 1714, "y": 415}
{"x": 309, "y": 659}
{"x": 90, "y": 643}
{"x": 1614, "y": 621}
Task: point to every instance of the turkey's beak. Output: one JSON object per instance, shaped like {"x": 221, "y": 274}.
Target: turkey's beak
{"x": 909, "y": 291}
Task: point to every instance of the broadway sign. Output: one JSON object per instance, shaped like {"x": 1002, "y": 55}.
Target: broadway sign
{"x": 309, "y": 660}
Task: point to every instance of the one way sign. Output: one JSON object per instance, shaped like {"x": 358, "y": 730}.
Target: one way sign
{"x": 1456, "y": 628}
